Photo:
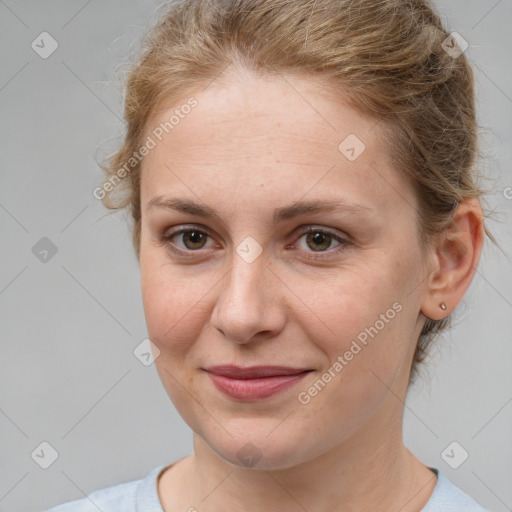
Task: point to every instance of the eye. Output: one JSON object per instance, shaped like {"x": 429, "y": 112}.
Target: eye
{"x": 320, "y": 240}
{"x": 185, "y": 239}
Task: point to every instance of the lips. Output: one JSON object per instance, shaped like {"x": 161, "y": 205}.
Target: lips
{"x": 254, "y": 372}
{"x": 255, "y": 382}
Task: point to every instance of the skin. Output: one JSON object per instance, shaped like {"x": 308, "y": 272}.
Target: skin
{"x": 251, "y": 146}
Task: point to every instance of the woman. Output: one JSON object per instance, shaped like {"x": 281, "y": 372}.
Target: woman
{"x": 301, "y": 180}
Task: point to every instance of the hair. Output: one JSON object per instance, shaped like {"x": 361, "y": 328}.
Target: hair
{"x": 386, "y": 58}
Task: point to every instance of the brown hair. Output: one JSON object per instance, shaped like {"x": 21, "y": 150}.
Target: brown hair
{"x": 389, "y": 58}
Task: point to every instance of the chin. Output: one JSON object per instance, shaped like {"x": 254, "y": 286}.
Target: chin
{"x": 260, "y": 451}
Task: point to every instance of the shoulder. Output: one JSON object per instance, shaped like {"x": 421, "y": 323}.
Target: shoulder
{"x": 447, "y": 497}
{"x": 109, "y": 499}
{"x": 127, "y": 496}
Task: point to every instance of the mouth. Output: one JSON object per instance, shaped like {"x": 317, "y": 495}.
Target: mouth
{"x": 256, "y": 382}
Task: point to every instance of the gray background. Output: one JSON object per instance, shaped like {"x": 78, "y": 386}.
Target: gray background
{"x": 69, "y": 326}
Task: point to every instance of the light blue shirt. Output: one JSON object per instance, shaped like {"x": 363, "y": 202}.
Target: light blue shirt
{"x": 142, "y": 496}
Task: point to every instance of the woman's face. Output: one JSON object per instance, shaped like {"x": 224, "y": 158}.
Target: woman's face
{"x": 246, "y": 286}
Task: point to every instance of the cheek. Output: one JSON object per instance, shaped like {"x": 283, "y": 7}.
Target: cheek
{"x": 358, "y": 314}
{"x": 174, "y": 303}
{"x": 345, "y": 303}
{"x": 174, "y": 318}
{"x": 364, "y": 361}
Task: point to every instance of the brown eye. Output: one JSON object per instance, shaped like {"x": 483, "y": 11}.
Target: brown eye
{"x": 193, "y": 239}
{"x": 186, "y": 241}
{"x": 319, "y": 241}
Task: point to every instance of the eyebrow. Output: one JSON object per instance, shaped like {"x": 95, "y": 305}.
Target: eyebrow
{"x": 280, "y": 214}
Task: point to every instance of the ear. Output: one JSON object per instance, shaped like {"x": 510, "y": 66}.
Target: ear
{"x": 456, "y": 255}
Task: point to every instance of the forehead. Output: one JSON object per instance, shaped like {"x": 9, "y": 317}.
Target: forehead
{"x": 283, "y": 134}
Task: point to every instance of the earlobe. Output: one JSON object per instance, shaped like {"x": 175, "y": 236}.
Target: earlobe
{"x": 457, "y": 253}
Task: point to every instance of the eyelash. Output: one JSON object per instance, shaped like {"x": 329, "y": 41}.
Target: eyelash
{"x": 312, "y": 255}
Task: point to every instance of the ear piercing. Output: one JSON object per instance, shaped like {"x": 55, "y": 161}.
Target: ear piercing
{"x": 442, "y": 306}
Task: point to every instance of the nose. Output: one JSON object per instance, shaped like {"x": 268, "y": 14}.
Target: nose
{"x": 250, "y": 305}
